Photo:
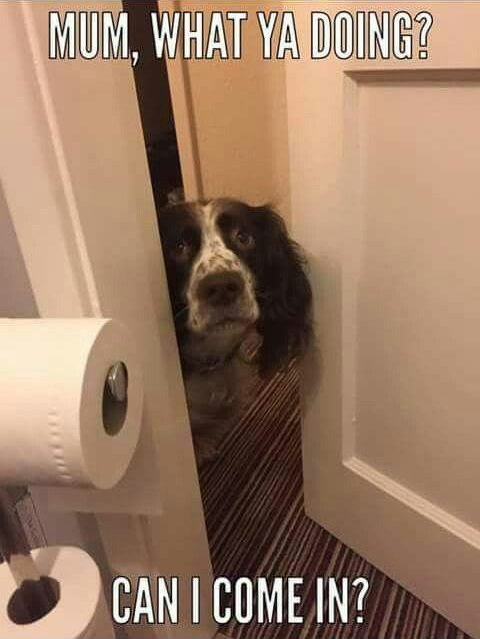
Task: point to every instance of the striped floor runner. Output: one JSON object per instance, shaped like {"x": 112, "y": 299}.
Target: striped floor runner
{"x": 257, "y": 527}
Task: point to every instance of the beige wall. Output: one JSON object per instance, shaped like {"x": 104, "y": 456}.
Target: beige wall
{"x": 240, "y": 116}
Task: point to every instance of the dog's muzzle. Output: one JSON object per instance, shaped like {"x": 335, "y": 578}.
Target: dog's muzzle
{"x": 221, "y": 289}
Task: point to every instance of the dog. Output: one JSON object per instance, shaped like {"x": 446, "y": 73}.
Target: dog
{"x": 241, "y": 304}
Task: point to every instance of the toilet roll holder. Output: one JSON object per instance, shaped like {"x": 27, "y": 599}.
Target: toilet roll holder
{"x": 35, "y": 596}
{"x": 115, "y": 398}
{"x": 117, "y": 380}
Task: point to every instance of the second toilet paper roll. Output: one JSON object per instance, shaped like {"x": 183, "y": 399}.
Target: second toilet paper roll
{"x": 81, "y": 611}
{"x": 60, "y": 425}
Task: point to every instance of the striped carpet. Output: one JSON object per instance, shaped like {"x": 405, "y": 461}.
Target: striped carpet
{"x": 257, "y": 527}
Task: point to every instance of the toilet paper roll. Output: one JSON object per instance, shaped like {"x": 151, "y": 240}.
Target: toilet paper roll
{"x": 81, "y": 611}
{"x": 60, "y": 424}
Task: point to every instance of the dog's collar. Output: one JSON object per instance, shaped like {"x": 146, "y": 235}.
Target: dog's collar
{"x": 208, "y": 364}
{"x": 244, "y": 350}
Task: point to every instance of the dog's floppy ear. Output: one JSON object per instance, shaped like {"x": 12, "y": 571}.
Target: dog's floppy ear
{"x": 284, "y": 294}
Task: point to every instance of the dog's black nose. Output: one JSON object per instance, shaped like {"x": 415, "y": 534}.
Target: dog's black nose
{"x": 221, "y": 289}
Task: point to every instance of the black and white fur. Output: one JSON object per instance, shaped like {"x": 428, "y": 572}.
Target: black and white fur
{"x": 235, "y": 277}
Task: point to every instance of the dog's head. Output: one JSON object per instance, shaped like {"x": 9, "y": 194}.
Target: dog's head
{"x": 231, "y": 266}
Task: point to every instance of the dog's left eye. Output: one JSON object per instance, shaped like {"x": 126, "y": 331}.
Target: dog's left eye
{"x": 180, "y": 247}
{"x": 180, "y": 250}
{"x": 244, "y": 239}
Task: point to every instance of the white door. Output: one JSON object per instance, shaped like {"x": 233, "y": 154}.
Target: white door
{"x": 385, "y": 159}
{"x": 76, "y": 190}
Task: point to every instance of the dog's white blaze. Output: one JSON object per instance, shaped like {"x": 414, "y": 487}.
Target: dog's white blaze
{"x": 214, "y": 256}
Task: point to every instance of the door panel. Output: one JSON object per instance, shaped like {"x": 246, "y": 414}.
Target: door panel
{"x": 384, "y": 161}
{"x": 418, "y": 292}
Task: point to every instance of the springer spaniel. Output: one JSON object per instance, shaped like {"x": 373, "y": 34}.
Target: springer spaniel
{"x": 241, "y": 304}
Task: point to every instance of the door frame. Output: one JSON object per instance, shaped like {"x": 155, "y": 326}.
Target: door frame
{"x": 66, "y": 212}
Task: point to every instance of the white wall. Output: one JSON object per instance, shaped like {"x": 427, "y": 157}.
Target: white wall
{"x": 16, "y": 297}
